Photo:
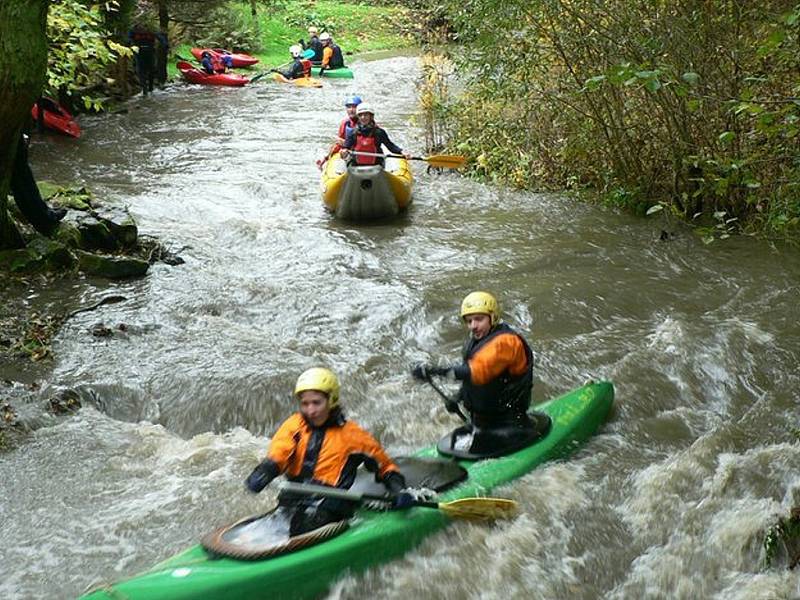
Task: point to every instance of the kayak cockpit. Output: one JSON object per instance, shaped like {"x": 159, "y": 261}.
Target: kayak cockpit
{"x": 474, "y": 441}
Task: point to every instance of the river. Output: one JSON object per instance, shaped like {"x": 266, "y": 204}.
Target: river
{"x": 670, "y": 500}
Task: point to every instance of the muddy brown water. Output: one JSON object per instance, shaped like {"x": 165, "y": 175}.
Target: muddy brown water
{"x": 701, "y": 342}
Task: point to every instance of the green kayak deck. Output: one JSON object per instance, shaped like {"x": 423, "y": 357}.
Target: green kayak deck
{"x": 373, "y": 537}
{"x": 343, "y": 73}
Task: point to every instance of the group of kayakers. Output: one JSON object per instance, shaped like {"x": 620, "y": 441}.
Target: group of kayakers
{"x": 319, "y": 445}
{"x": 319, "y": 51}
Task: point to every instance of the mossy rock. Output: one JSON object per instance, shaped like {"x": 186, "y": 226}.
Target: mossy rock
{"x": 94, "y": 234}
{"x": 112, "y": 267}
{"x": 120, "y": 223}
{"x": 68, "y": 234}
{"x": 41, "y": 254}
{"x": 48, "y": 189}
{"x": 55, "y": 253}
{"x": 21, "y": 260}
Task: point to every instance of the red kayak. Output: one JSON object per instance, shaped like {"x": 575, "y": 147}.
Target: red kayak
{"x": 193, "y": 75}
{"x": 239, "y": 59}
{"x": 57, "y": 117}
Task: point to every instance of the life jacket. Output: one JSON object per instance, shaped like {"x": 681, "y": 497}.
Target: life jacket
{"x": 306, "y": 67}
{"x": 366, "y": 143}
{"x": 505, "y": 395}
{"x": 337, "y": 60}
{"x": 346, "y": 127}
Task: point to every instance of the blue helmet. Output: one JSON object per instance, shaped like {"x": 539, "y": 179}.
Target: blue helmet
{"x": 352, "y": 101}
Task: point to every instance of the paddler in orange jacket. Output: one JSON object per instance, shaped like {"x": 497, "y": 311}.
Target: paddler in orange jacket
{"x": 318, "y": 445}
{"x": 496, "y": 372}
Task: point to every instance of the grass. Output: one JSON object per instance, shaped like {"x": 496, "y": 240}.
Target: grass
{"x": 355, "y": 26}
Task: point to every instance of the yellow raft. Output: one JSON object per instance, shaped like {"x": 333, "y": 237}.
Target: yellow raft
{"x": 366, "y": 192}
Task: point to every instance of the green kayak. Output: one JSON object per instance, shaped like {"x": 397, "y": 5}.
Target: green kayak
{"x": 373, "y": 537}
{"x": 343, "y": 73}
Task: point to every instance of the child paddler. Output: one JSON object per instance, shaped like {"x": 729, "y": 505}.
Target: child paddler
{"x": 319, "y": 445}
{"x": 496, "y": 376}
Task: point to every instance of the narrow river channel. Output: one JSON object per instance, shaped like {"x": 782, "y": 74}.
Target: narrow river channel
{"x": 701, "y": 342}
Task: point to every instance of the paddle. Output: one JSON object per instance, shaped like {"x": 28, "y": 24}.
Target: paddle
{"x": 452, "y": 405}
{"x": 465, "y": 508}
{"x": 308, "y": 53}
{"x": 442, "y": 161}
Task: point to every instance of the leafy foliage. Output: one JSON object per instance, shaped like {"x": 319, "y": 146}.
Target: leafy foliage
{"x": 694, "y": 104}
{"x": 80, "y": 50}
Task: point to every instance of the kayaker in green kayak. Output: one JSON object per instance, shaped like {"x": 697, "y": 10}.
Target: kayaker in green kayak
{"x": 318, "y": 445}
{"x": 332, "y": 57}
{"x": 313, "y": 43}
{"x": 497, "y": 379}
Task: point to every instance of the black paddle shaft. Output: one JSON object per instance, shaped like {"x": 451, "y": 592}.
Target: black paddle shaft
{"x": 309, "y": 489}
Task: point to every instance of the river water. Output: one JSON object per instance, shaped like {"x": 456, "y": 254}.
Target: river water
{"x": 701, "y": 342}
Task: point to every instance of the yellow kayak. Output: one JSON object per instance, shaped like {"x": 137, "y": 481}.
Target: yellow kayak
{"x": 300, "y": 81}
{"x": 366, "y": 192}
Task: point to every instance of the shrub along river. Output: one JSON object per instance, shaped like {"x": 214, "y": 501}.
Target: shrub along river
{"x": 701, "y": 342}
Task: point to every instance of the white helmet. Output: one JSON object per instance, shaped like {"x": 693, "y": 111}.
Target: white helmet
{"x": 364, "y": 108}
{"x": 324, "y": 36}
{"x": 295, "y": 51}
{"x": 312, "y": 29}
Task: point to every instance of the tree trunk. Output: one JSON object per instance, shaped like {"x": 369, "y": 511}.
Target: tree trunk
{"x": 163, "y": 16}
{"x": 23, "y": 68}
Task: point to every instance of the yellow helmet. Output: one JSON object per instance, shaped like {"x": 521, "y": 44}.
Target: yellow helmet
{"x": 321, "y": 380}
{"x": 481, "y": 303}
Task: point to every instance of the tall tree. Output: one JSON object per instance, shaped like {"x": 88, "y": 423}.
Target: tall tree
{"x": 23, "y": 66}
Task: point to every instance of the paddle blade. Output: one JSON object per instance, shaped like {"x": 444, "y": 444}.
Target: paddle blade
{"x": 445, "y": 161}
{"x": 479, "y": 509}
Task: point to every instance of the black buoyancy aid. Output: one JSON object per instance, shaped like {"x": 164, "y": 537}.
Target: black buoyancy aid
{"x": 366, "y": 142}
{"x": 337, "y": 60}
{"x": 506, "y": 394}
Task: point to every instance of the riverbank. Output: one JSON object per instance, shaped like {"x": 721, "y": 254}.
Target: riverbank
{"x": 357, "y": 28}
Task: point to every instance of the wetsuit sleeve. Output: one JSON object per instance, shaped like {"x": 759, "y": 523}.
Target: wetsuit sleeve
{"x": 283, "y": 444}
{"x": 504, "y": 352}
{"x": 327, "y": 54}
{"x": 383, "y": 138}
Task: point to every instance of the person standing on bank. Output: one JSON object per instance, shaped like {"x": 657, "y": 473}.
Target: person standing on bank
{"x": 145, "y": 59}
{"x": 496, "y": 376}
{"x": 319, "y": 445}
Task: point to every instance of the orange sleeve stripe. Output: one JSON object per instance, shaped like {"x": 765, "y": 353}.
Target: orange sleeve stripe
{"x": 504, "y": 352}
{"x": 327, "y": 55}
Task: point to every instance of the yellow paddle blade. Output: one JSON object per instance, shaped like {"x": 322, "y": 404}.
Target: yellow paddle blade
{"x": 479, "y": 509}
{"x": 445, "y": 161}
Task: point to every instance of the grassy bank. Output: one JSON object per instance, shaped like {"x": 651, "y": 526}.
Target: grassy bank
{"x": 356, "y": 27}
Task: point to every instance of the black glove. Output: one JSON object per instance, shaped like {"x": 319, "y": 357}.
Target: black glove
{"x": 261, "y": 476}
{"x": 394, "y": 481}
{"x": 423, "y": 371}
{"x": 403, "y": 500}
{"x": 302, "y": 44}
